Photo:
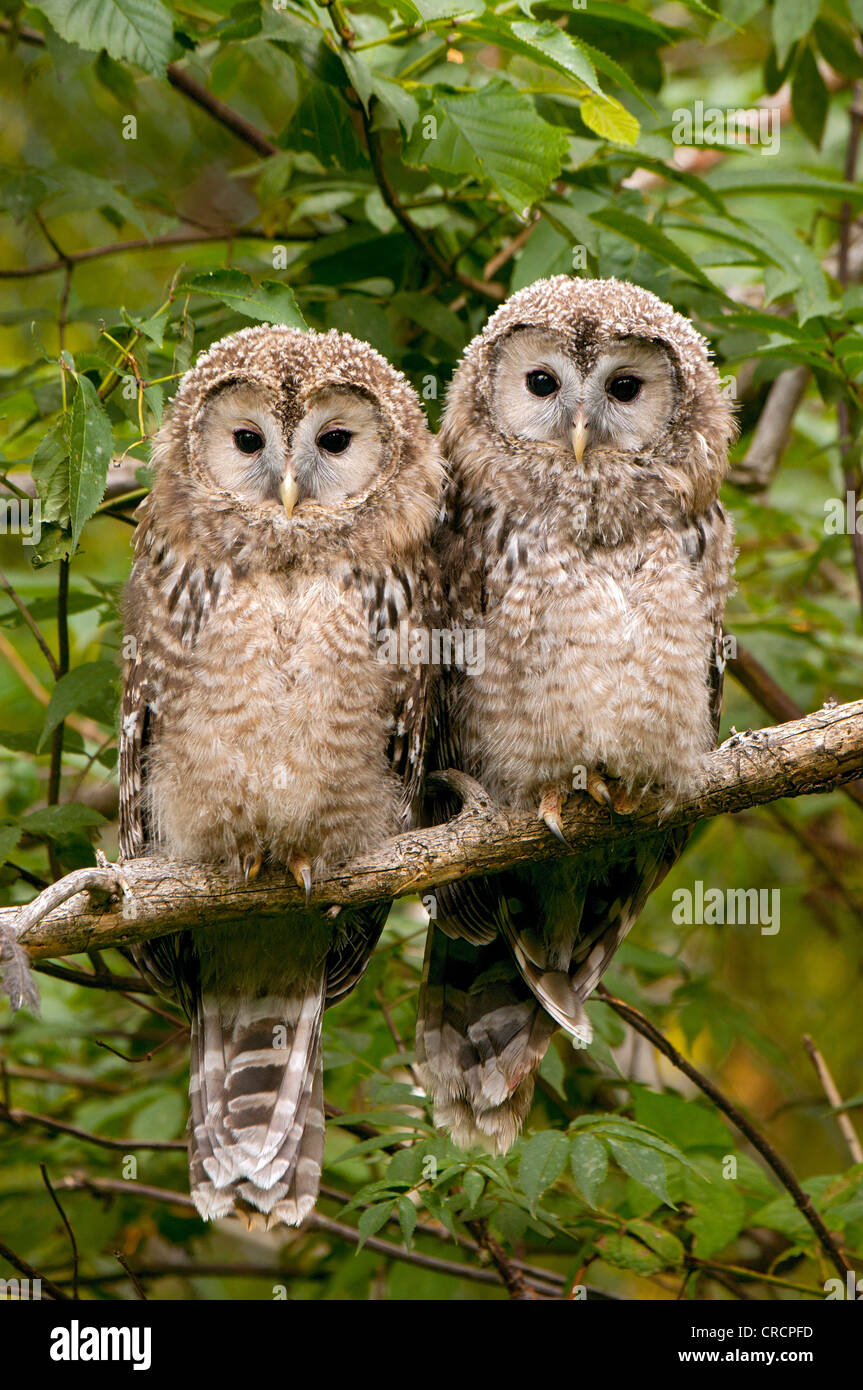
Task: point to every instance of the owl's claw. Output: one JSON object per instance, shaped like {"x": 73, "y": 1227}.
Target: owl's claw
{"x": 615, "y": 799}
{"x": 301, "y": 873}
{"x": 550, "y": 807}
{"x": 252, "y": 866}
{"x": 333, "y": 912}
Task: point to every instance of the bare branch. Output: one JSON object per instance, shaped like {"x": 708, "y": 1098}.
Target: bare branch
{"x": 771, "y": 434}
{"x": 831, "y": 1091}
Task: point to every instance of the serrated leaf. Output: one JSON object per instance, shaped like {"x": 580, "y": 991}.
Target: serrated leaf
{"x": 610, "y": 119}
{"x": 90, "y": 448}
{"x": 77, "y": 690}
{"x": 269, "y": 302}
{"x": 686, "y": 1123}
{"x": 371, "y": 1221}
{"x": 543, "y": 1159}
{"x": 646, "y": 1166}
{"x": 544, "y": 43}
{"x": 134, "y": 31}
{"x": 473, "y": 1186}
{"x": 589, "y": 1163}
{"x": 494, "y": 135}
{"x": 50, "y": 470}
{"x": 407, "y": 1219}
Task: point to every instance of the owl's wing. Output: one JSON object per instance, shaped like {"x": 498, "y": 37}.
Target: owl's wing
{"x": 400, "y": 601}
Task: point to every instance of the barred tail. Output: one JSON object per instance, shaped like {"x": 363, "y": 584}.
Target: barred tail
{"x": 481, "y": 1035}
{"x": 256, "y": 1142}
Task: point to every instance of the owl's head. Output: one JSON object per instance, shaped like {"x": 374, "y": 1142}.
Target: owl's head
{"x": 584, "y": 381}
{"x": 300, "y": 438}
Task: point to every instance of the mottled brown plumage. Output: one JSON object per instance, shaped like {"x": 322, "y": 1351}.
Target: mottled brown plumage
{"x": 587, "y": 438}
{"x": 288, "y": 526}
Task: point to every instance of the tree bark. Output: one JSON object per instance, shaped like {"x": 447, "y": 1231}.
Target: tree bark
{"x": 154, "y": 897}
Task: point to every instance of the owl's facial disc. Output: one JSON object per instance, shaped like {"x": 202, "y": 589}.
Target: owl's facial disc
{"x": 622, "y": 399}
{"x": 242, "y": 444}
{"x": 338, "y": 447}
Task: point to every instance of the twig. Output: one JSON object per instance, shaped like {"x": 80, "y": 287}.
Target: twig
{"x": 32, "y": 1274}
{"x": 774, "y": 1161}
{"x": 57, "y": 735}
{"x": 121, "y": 984}
{"x": 33, "y": 626}
{"x": 831, "y": 1091}
{"x": 225, "y": 115}
{"x": 162, "y": 896}
{"x": 850, "y": 456}
{"x": 64, "y": 1218}
{"x": 119, "y": 248}
{"x": 87, "y": 728}
{"x": 136, "y": 1285}
{"x": 488, "y": 290}
{"x": 101, "y": 1141}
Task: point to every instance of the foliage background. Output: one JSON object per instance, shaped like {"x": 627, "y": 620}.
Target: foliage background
{"x": 302, "y": 183}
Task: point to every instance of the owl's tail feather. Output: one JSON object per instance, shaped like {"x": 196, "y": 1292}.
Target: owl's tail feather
{"x": 256, "y": 1142}
{"x": 481, "y": 1035}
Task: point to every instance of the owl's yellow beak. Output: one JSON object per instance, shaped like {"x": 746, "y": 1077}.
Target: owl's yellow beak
{"x": 289, "y": 491}
{"x": 579, "y": 435}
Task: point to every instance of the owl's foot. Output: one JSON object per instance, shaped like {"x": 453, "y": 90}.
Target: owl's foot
{"x": 252, "y": 865}
{"x": 301, "y": 872}
{"x": 550, "y": 806}
{"x": 611, "y": 794}
{"x": 333, "y": 912}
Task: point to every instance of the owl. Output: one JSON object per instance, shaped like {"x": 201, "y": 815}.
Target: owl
{"x": 587, "y": 437}
{"x": 296, "y": 490}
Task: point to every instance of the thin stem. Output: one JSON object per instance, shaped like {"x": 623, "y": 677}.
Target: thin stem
{"x": 33, "y": 626}
{"x": 58, "y": 734}
{"x": 774, "y": 1161}
{"x": 64, "y": 1218}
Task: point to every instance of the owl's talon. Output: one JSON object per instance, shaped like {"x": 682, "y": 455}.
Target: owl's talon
{"x": 252, "y": 866}
{"x": 550, "y": 807}
{"x": 598, "y": 790}
{"x": 301, "y": 872}
{"x": 333, "y": 912}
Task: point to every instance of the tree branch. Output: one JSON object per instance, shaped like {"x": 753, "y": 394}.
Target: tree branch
{"x": 160, "y": 896}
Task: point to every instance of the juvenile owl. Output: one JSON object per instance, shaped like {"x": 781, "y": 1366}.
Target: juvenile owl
{"x": 587, "y": 436}
{"x": 288, "y": 528}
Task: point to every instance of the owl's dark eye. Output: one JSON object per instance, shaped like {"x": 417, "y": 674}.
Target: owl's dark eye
{"x": 625, "y": 388}
{"x": 334, "y": 441}
{"x": 541, "y": 383}
{"x": 248, "y": 441}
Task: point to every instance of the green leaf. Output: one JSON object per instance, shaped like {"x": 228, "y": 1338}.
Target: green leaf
{"x": 644, "y": 1165}
{"x": 50, "y": 469}
{"x": 665, "y": 1243}
{"x": 371, "y": 1221}
{"x": 322, "y": 126}
{"x": 9, "y": 837}
{"x": 76, "y": 690}
{"x": 544, "y": 43}
{"x": 610, "y": 119}
{"x": 543, "y": 1159}
{"x": 269, "y": 302}
{"x": 686, "y": 1123}
{"x": 90, "y": 448}
{"x": 494, "y": 135}
{"x": 809, "y": 97}
{"x": 137, "y": 31}
{"x": 649, "y": 237}
{"x": 473, "y": 1184}
{"x": 719, "y": 1214}
{"x": 407, "y": 1219}
{"x": 589, "y": 1163}
{"x": 792, "y": 19}
{"x": 623, "y": 1252}
{"x": 837, "y": 45}
{"x": 61, "y": 822}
